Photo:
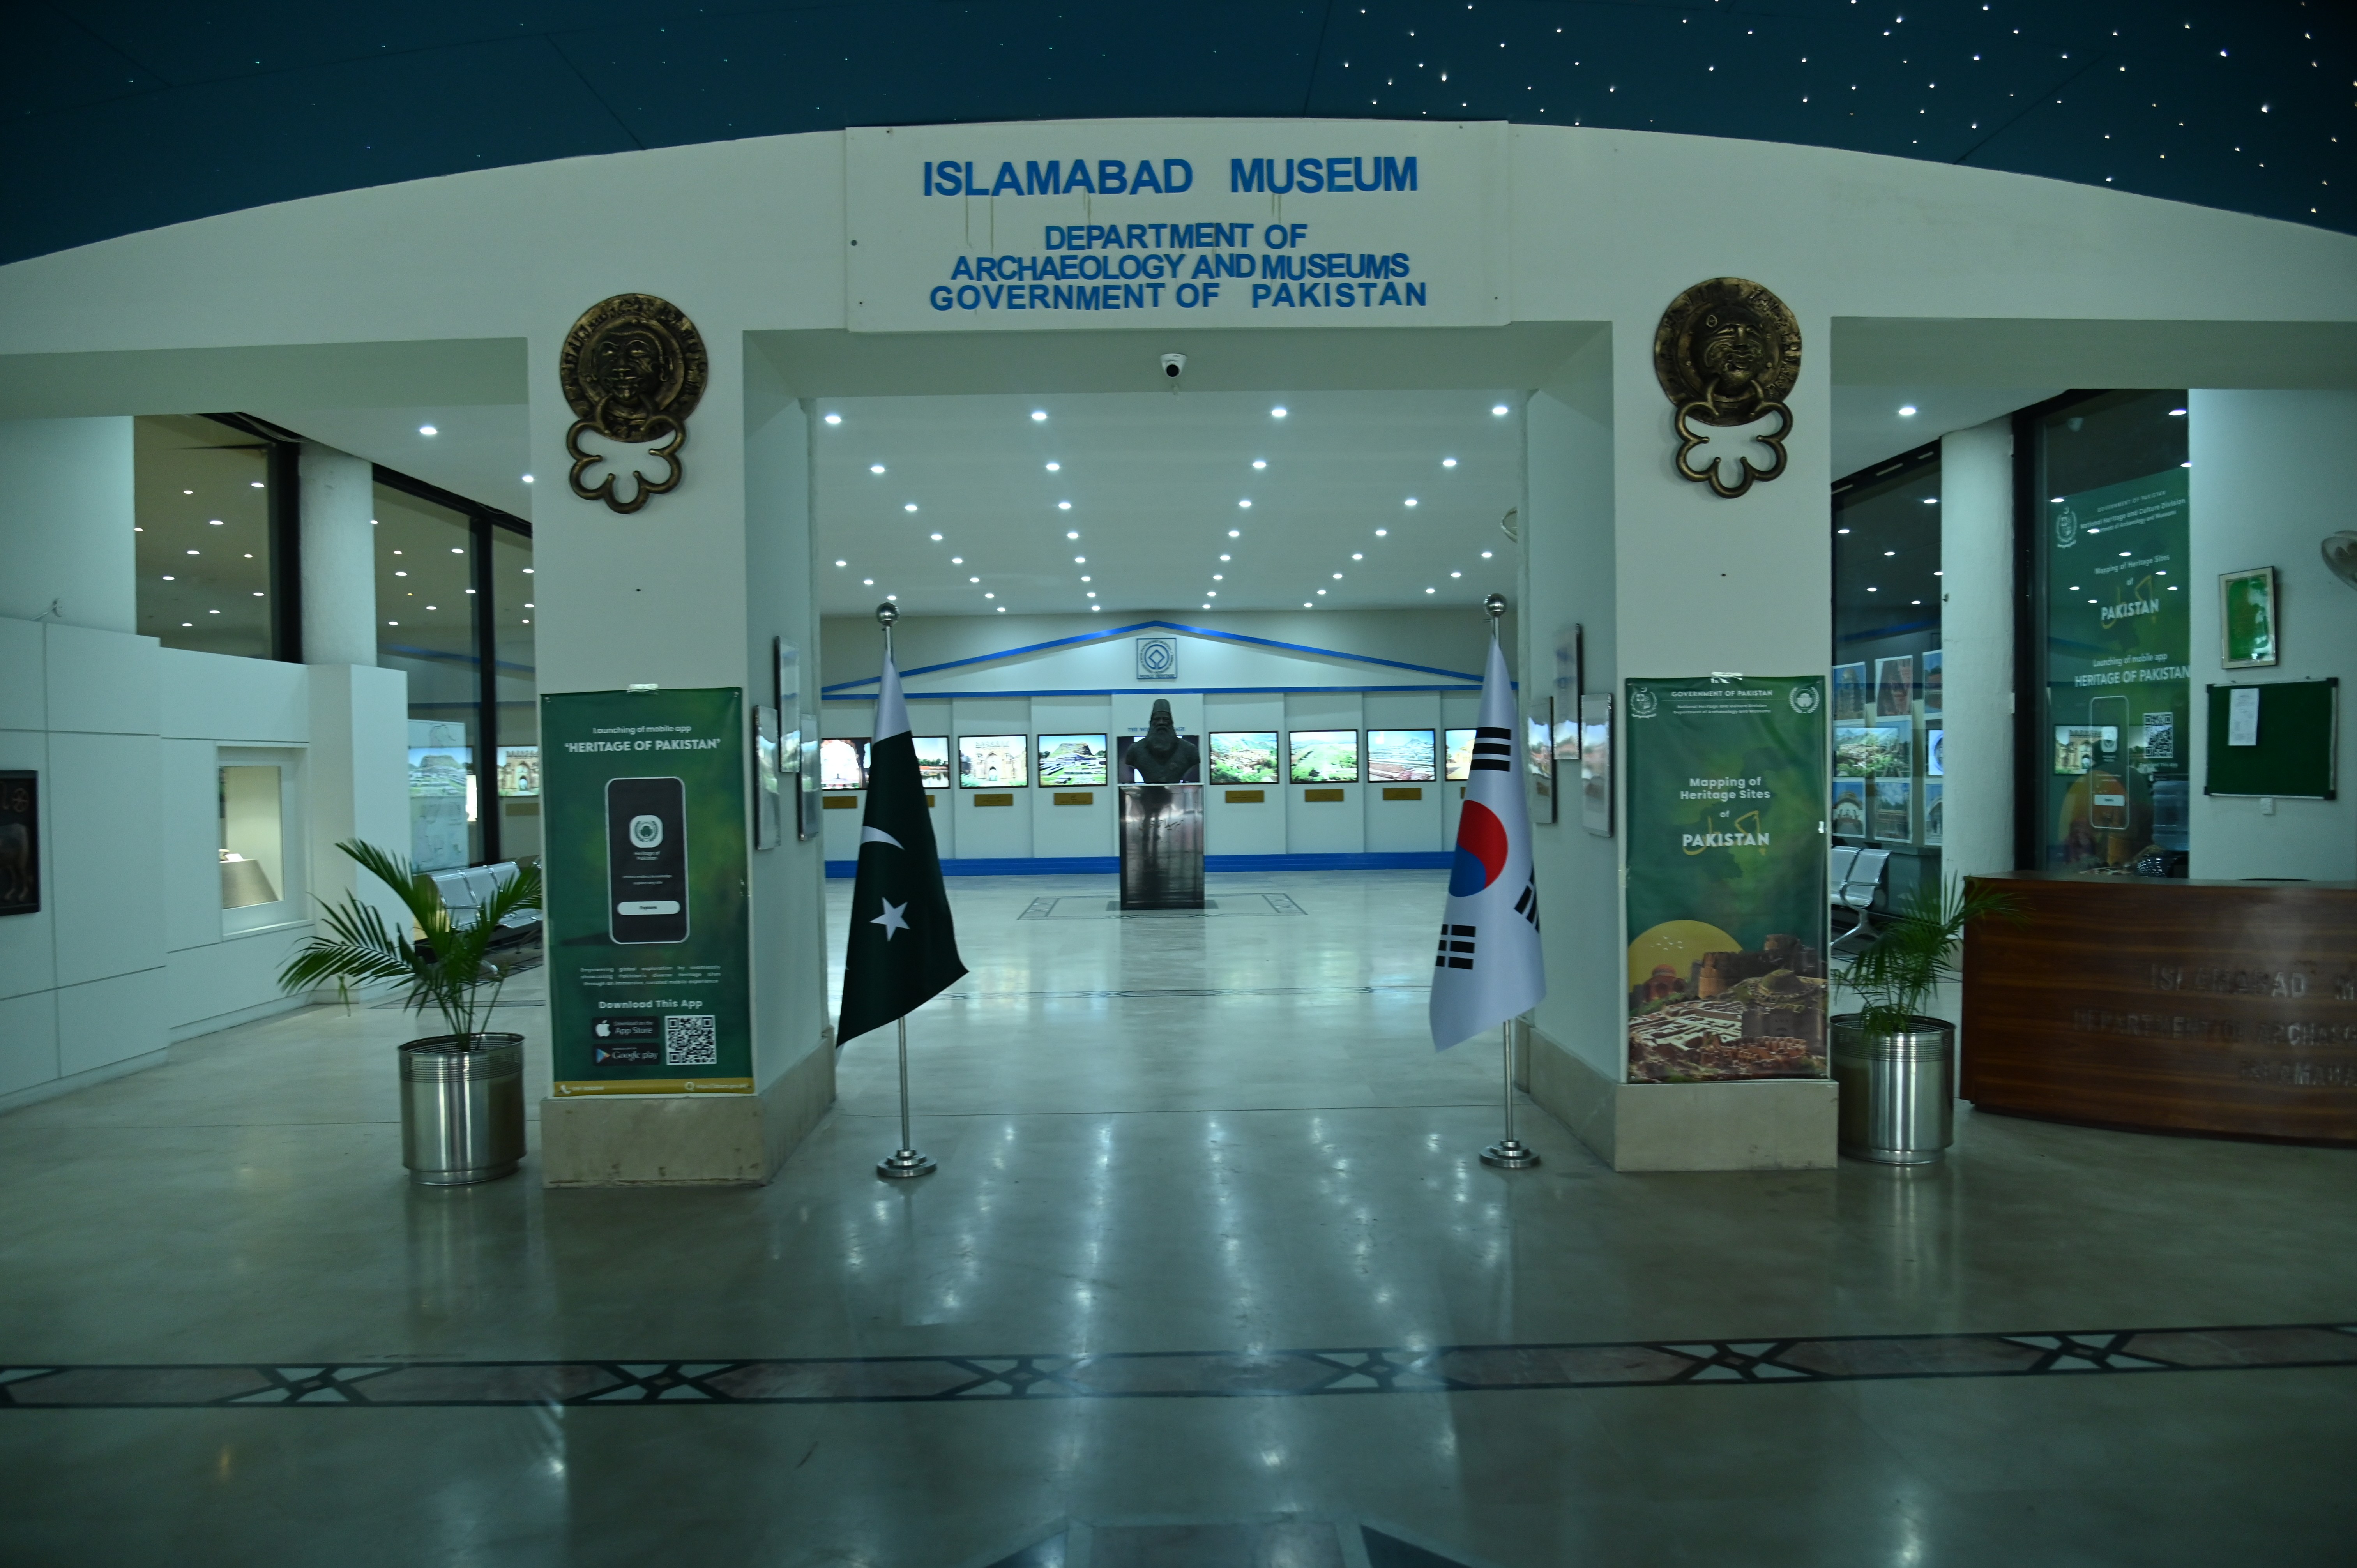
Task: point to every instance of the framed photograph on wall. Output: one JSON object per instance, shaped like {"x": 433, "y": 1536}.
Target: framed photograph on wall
{"x": 1894, "y": 687}
{"x": 1457, "y": 745}
{"x": 1936, "y": 753}
{"x": 1596, "y": 763}
{"x": 1852, "y": 691}
{"x": 1932, "y": 694}
{"x": 1849, "y": 809}
{"x": 933, "y": 760}
{"x": 20, "y": 842}
{"x": 994, "y": 761}
{"x": 1894, "y": 811}
{"x": 1322, "y": 755}
{"x": 2246, "y": 619}
{"x": 1401, "y": 756}
{"x": 1243, "y": 756}
{"x": 1073, "y": 760}
{"x": 768, "y": 795}
{"x": 1538, "y": 758}
{"x": 842, "y": 763}
{"x": 1935, "y": 805}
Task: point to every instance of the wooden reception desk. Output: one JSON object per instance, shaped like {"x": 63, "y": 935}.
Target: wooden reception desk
{"x": 2225, "y": 1009}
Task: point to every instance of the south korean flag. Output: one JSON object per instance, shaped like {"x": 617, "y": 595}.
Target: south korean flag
{"x": 1486, "y": 966}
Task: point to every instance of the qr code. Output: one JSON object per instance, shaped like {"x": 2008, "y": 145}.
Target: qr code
{"x": 690, "y": 1041}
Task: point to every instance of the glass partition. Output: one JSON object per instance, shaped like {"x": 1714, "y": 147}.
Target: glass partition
{"x": 2110, "y": 540}
{"x": 515, "y": 686}
{"x": 201, "y": 535}
{"x": 1887, "y": 678}
{"x": 426, "y": 628}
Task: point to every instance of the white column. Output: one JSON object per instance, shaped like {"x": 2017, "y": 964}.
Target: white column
{"x": 339, "y": 493}
{"x": 1976, "y": 633}
{"x": 66, "y": 517}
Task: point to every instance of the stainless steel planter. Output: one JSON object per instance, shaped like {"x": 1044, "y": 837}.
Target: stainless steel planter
{"x": 461, "y": 1109}
{"x": 1898, "y": 1091}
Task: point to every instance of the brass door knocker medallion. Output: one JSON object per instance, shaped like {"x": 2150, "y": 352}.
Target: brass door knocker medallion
{"x": 634, "y": 368}
{"x": 1726, "y": 354}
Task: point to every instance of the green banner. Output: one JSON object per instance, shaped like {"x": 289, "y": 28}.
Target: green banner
{"x": 2119, "y": 650}
{"x": 648, "y": 953}
{"x": 1727, "y": 878}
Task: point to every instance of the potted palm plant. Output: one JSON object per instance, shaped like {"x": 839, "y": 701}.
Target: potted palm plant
{"x": 461, "y": 1090}
{"x": 1896, "y": 1067}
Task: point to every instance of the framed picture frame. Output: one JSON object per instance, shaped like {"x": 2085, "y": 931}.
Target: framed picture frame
{"x": 994, "y": 761}
{"x": 1244, "y": 756}
{"x": 2247, "y": 625}
{"x": 1894, "y": 687}
{"x": 1322, "y": 755}
{"x": 1853, "y": 693}
{"x": 20, "y": 842}
{"x": 1456, "y": 747}
{"x": 1401, "y": 756}
{"x": 1069, "y": 761}
{"x": 1596, "y": 763}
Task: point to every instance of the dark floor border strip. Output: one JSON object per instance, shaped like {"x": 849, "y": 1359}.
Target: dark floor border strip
{"x": 1181, "y": 1374}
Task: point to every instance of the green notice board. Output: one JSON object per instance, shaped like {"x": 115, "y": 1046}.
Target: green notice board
{"x": 649, "y": 948}
{"x": 2299, "y": 736}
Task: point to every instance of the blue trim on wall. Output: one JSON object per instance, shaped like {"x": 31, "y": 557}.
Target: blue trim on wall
{"x": 1110, "y": 632}
{"x": 1107, "y": 866}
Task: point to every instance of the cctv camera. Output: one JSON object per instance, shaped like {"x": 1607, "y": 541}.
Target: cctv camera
{"x": 1173, "y": 365}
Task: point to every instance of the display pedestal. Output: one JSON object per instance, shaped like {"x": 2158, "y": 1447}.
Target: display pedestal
{"x": 1162, "y": 846}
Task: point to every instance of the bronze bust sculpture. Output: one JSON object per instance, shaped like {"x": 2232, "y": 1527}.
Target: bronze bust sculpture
{"x": 1164, "y": 757}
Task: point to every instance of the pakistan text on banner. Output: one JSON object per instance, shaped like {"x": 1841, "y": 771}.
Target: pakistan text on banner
{"x": 1157, "y": 223}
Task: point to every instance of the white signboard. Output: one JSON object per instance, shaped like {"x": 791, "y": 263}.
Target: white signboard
{"x": 1161, "y": 223}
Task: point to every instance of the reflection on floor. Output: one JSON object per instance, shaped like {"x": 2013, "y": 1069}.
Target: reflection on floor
{"x": 1210, "y": 1250}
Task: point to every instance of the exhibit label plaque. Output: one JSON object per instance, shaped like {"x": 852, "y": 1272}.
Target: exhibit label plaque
{"x": 1727, "y": 878}
{"x": 649, "y": 957}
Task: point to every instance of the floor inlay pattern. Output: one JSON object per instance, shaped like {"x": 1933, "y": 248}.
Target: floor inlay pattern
{"x": 1458, "y": 1368}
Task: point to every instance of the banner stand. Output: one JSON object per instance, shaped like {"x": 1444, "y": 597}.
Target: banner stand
{"x": 1507, "y": 1153}
{"x": 904, "y": 1162}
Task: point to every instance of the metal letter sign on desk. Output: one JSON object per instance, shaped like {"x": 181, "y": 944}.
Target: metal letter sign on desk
{"x": 1162, "y": 846}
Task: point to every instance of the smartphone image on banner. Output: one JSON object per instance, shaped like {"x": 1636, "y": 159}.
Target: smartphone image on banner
{"x": 646, "y": 860}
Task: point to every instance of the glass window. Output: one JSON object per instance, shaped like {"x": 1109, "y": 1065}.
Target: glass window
{"x": 202, "y": 515}
{"x": 516, "y": 687}
{"x": 425, "y": 615}
{"x": 2111, "y": 532}
{"x": 1886, "y": 678}
{"x": 252, "y": 868}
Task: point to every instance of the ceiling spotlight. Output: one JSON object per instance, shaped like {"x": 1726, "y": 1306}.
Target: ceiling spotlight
{"x": 990, "y": 596}
{"x": 1382, "y": 533}
{"x": 1448, "y": 462}
{"x": 192, "y": 492}
{"x": 1260, "y": 462}
{"x": 1321, "y": 592}
{"x": 1879, "y": 590}
{"x": 1055, "y": 467}
{"x": 1210, "y": 594}
{"x": 908, "y": 506}
{"x": 1080, "y": 559}
{"x": 1093, "y": 592}
{"x": 1308, "y": 606}
{"x": 1086, "y": 578}
{"x": 427, "y": 430}
{"x": 527, "y": 479}
{"x": 1338, "y": 577}
{"x": 1002, "y": 609}
{"x": 1457, "y": 573}
{"x": 1095, "y": 608}
{"x": 1411, "y": 500}
{"x": 1222, "y": 557}
{"x": 1063, "y": 506}
{"x": 1235, "y": 533}
{"x": 937, "y": 539}
{"x": 1891, "y": 552}
{"x": 957, "y": 560}
{"x": 168, "y": 576}
{"x": 1071, "y": 534}
{"x": 1038, "y": 415}
{"x": 869, "y": 581}
{"x": 1202, "y": 607}
{"x": 2177, "y": 413}
{"x": 835, "y": 419}
{"x": 1278, "y": 412}
{"x": 1499, "y": 409}
{"x": 974, "y": 579}
{"x": 839, "y": 563}
{"x": 1245, "y": 504}
{"x": 1931, "y": 501}
{"x": 1907, "y": 411}
{"x": 1485, "y": 556}
{"x": 1432, "y": 590}
{"x": 874, "y": 467}
{"x": 1356, "y": 556}
{"x": 214, "y": 520}
{"x": 1218, "y": 576}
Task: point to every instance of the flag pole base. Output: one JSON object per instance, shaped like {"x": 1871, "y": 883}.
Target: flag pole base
{"x": 903, "y": 1164}
{"x": 1511, "y": 1154}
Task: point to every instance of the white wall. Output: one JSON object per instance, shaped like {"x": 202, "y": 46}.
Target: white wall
{"x": 2266, "y": 487}
{"x": 66, "y": 517}
{"x": 1976, "y": 633}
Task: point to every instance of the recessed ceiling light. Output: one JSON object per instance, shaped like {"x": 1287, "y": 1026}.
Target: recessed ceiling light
{"x": 214, "y": 520}
{"x": 1210, "y": 594}
{"x": 1308, "y": 606}
{"x": 1278, "y": 412}
{"x": 527, "y": 479}
{"x": 1356, "y": 556}
{"x": 427, "y": 430}
{"x": 1055, "y": 467}
{"x": 192, "y": 623}
{"x": 1448, "y": 462}
{"x": 835, "y": 419}
{"x": 1235, "y": 533}
{"x": 974, "y": 579}
{"x": 1321, "y": 592}
{"x": 192, "y": 552}
{"x": 990, "y": 596}
{"x": 1246, "y": 504}
{"x": 1222, "y": 557}
{"x": 874, "y": 467}
{"x": 937, "y": 539}
{"x": 1086, "y": 578}
{"x": 839, "y": 563}
{"x": 1260, "y": 462}
{"x": 1080, "y": 559}
{"x": 868, "y": 581}
{"x": 1093, "y": 592}
{"x": 2176, "y": 414}
{"x": 1485, "y": 556}
{"x": 1002, "y": 609}
{"x": 1038, "y": 414}
{"x": 1891, "y": 552}
{"x": 1071, "y": 534}
{"x": 1840, "y": 531}
{"x": 957, "y": 560}
{"x": 1338, "y": 577}
{"x": 1432, "y": 590}
{"x": 1410, "y": 501}
{"x": 908, "y": 506}
{"x": 1874, "y": 590}
{"x": 1382, "y": 533}
{"x": 1095, "y": 608}
{"x": 1202, "y": 607}
{"x": 1499, "y": 409}
{"x": 1063, "y": 506}
{"x": 1457, "y": 573}
{"x": 168, "y": 576}
{"x": 1907, "y": 411}
{"x": 192, "y": 492}
{"x": 257, "y": 484}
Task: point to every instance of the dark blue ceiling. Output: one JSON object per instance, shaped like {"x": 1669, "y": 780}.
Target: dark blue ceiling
{"x": 133, "y": 114}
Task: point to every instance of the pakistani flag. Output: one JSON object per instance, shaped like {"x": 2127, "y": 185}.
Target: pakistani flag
{"x": 903, "y": 950}
{"x": 1489, "y": 966}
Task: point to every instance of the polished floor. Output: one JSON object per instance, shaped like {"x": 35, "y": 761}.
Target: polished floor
{"x": 1211, "y": 1274}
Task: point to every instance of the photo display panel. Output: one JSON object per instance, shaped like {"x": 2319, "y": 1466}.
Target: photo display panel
{"x": 933, "y": 760}
{"x": 1460, "y": 754}
{"x": 842, "y": 764}
{"x": 1324, "y": 755}
{"x": 1068, "y": 760}
{"x": 1400, "y": 756}
{"x": 993, "y": 761}
{"x": 1243, "y": 756}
